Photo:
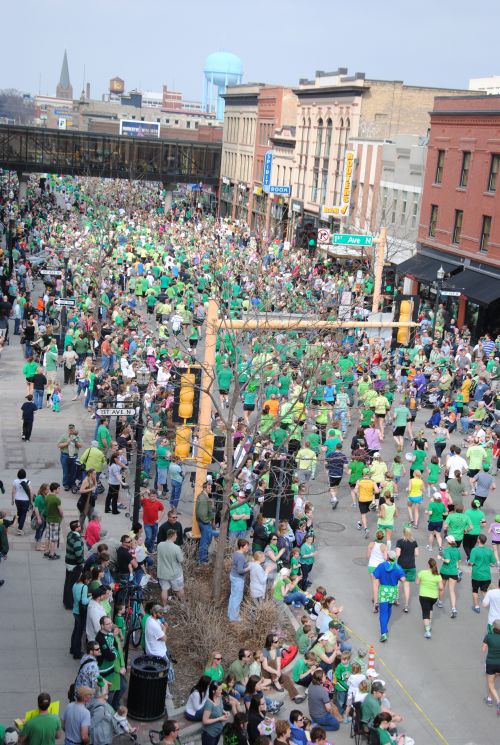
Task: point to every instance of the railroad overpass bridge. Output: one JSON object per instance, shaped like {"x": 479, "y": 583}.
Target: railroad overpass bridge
{"x": 38, "y": 150}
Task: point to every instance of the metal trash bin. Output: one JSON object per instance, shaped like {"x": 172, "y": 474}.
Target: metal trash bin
{"x": 147, "y": 688}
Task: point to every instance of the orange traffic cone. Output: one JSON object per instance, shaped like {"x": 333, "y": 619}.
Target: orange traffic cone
{"x": 371, "y": 658}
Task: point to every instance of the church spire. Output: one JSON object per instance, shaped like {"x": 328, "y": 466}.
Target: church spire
{"x": 64, "y": 88}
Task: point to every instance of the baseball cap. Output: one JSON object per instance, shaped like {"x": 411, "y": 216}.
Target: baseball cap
{"x": 450, "y": 539}
{"x": 324, "y": 638}
{"x": 97, "y": 592}
{"x": 391, "y": 555}
{"x": 442, "y": 485}
{"x": 376, "y": 455}
{"x": 378, "y": 686}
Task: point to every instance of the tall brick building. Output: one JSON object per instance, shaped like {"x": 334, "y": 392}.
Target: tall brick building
{"x": 460, "y": 217}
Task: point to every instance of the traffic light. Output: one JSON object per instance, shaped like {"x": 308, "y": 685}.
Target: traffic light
{"x": 312, "y": 239}
{"x": 187, "y": 383}
{"x": 406, "y": 309}
{"x": 206, "y": 448}
{"x": 182, "y": 442}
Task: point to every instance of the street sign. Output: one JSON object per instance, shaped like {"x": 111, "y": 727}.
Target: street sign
{"x": 53, "y": 272}
{"x": 268, "y": 167}
{"x": 450, "y": 293}
{"x": 279, "y": 190}
{"x": 115, "y": 412}
{"x": 344, "y": 239}
{"x": 330, "y": 210}
{"x": 324, "y": 235}
{"x": 65, "y": 301}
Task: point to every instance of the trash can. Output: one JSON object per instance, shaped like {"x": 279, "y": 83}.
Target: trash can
{"x": 147, "y": 688}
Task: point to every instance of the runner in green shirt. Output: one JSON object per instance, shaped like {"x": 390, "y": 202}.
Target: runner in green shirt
{"x": 482, "y": 559}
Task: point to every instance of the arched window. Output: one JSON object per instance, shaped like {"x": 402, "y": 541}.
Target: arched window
{"x": 328, "y": 139}
{"x": 319, "y": 138}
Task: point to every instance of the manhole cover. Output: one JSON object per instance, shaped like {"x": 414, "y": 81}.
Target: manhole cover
{"x": 332, "y": 527}
{"x": 361, "y": 562}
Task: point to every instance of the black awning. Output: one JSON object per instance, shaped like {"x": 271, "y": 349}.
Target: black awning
{"x": 482, "y": 289}
{"x": 424, "y": 268}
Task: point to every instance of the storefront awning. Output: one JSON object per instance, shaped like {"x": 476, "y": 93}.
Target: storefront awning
{"x": 424, "y": 268}
{"x": 482, "y": 289}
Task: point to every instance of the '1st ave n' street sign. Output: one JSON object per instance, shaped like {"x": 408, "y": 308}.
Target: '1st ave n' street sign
{"x": 115, "y": 412}
{"x": 344, "y": 239}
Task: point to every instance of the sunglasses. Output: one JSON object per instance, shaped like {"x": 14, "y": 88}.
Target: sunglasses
{"x": 217, "y": 658}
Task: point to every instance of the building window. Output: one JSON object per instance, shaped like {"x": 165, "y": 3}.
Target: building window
{"x": 433, "y": 220}
{"x": 464, "y": 174}
{"x": 314, "y": 188}
{"x": 439, "y": 167}
{"x": 492, "y": 178}
{"x": 394, "y": 208}
{"x": 414, "y": 214}
{"x": 457, "y": 227}
{"x": 328, "y": 140}
{"x": 485, "y": 234}
{"x": 319, "y": 138}
{"x": 404, "y": 205}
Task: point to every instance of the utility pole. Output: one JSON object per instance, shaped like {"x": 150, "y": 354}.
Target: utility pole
{"x": 379, "y": 268}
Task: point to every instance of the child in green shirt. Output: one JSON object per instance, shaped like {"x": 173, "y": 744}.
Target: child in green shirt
{"x": 433, "y": 477}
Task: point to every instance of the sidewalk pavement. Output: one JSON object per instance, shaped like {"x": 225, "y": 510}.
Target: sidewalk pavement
{"x": 36, "y": 628}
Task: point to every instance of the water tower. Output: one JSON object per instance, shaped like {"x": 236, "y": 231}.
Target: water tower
{"x": 221, "y": 69}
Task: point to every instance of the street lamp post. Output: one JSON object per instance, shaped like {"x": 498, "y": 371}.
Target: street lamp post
{"x": 64, "y": 312}
{"x": 10, "y": 244}
{"x": 439, "y": 285}
{"x": 142, "y": 377}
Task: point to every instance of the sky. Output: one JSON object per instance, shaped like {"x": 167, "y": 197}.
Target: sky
{"x": 149, "y": 43}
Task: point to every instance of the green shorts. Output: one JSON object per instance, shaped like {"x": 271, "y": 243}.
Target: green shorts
{"x": 385, "y": 527}
{"x": 410, "y": 574}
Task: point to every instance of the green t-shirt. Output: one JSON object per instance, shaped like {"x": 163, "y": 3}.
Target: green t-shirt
{"x": 224, "y": 378}
{"x": 162, "y": 461}
{"x": 103, "y": 436}
{"x": 39, "y": 503}
{"x": 457, "y": 522}
{"x": 356, "y": 468}
{"x": 278, "y": 436}
{"x": 242, "y": 524}
{"x": 475, "y": 455}
{"x": 42, "y": 729}
{"x": 429, "y": 583}
{"x": 481, "y": 558}
{"x": 342, "y": 672}
{"x": 370, "y": 708}
{"x": 475, "y": 517}
{"x": 437, "y": 510}
{"x": 434, "y": 470}
{"x": 302, "y": 639}
{"x": 214, "y": 673}
{"x": 452, "y": 554}
{"x": 301, "y": 665}
{"x": 419, "y": 463}
{"x": 52, "y": 502}
{"x": 306, "y": 550}
{"x": 278, "y": 588}
{"x": 401, "y": 416}
{"x": 493, "y": 642}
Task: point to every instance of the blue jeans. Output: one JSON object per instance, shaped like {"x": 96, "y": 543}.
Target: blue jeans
{"x": 327, "y": 721}
{"x": 105, "y": 362}
{"x": 28, "y": 349}
{"x": 464, "y": 425}
{"x": 38, "y": 398}
{"x": 89, "y": 395}
{"x": 296, "y": 597}
{"x": 342, "y": 415}
{"x": 150, "y": 531}
{"x": 147, "y": 460}
{"x": 235, "y": 598}
{"x": 69, "y": 470}
{"x": 175, "y": 494}
{"x": 384, "y": 612}
{"x": 206, "y": 535}
{"x": 341, "y": 700}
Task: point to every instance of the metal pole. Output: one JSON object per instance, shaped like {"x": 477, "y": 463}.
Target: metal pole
{"x": 281, "y": 478}
{"x": 10, "y": 244}
{"x": 436, "y": 307}
{"x": 64, "y": 312}
{"x": 205, "y": 413}
{"x": 138, "y": 459}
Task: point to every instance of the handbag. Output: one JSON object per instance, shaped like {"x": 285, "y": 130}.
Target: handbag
{"x": 34, "y": 521}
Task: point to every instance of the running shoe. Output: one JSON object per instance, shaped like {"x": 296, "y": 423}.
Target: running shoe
{"x": 383, "y": 638}
{"x": 476, "y": 609}
{"x": 440, "y": 603}
{"x": 453, "y": 612}
{"x": 428, "y": 634}
{"x": 429, "y": 548}
{"x": 366, "y": 532}
{"x": 406, "y": 609}
{"x": 488, "y": 700}
{"x": 334, "y": 502}
{"x": 459, "y": 576}
{"x": 358, "y": 525}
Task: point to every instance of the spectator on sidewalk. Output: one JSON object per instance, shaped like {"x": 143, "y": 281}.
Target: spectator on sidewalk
{"x": 74, "y": 560}
{"x": 28, "y": 416}
{"x": 152, "y": 511}
{"x": 55, "y": 516}
{"x": 169, "y": 569}
{"x": 44, "y": 728}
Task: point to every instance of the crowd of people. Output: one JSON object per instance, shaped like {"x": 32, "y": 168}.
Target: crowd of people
{"x": 329, "y": 407}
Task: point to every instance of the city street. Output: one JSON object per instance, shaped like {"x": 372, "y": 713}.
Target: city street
{"x": 437, "y": 685}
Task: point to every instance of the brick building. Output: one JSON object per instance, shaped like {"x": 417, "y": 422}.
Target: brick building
{"x": 460, "y": 217}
